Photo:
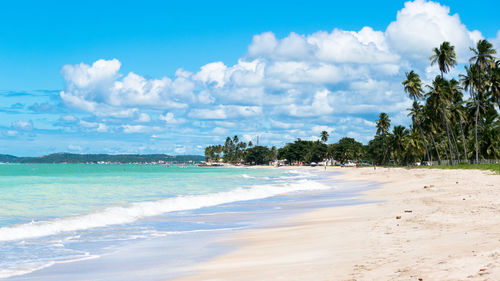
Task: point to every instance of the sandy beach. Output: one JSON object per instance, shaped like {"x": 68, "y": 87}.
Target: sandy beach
{"x": 425, "y": 225}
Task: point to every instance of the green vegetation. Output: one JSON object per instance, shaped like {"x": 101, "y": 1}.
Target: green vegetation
{"x": 445, "y": 128}
{"x": 303, "y": 151}
{"x": 94, "y": 158}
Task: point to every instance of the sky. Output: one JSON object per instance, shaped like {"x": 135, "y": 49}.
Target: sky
{"x": 174, "y": 77}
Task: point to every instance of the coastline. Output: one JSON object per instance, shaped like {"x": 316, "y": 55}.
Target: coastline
{"x": 169, "y": 244}
{"x": 448, "y": 231}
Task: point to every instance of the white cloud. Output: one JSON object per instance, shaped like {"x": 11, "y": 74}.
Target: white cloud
{"x": 12, "y": 133}
{"x": 496, "y": 42}
{"x": 169, "y": 118}
{"x": 94, "y": 126}
{"x": 99, "y": 89}
{"x": 226, "y": 124}
{"x": 217, "y": 113}
{"x": 338, "y": 46}
{"x": 102, "y": 128}
{"x": 262, "y": 44}
{"x": 69, "y": 118}
{"x": 320, "y": 128}
{"x": 280, "y": 84}
{"x": 144, "y": 118}
{"x": 219, "y": 131}
{"x": 319, "y": 106}
{"x": 423, "y": 25}
{"x": 180, "y": 149}
{"x": 134, "y": 128}
{"x": 284, "y": 125}
{"x": 212, "y": 73}
{"x": 23, "y": 125}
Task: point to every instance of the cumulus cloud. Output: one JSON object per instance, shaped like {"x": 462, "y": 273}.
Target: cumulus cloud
{"x": 143, "y": 117}
{"x": 102, "y": 90}
{"x": 319, "y": 106}
{"x": 496, "y": 42}
{"x": 170, "y": 119}
{"x": 320, "y": 128}
{"x": 422, "y": 25}
{"x": 282, "y": 88}
{"x": 93, "y": 126}
{"x": 212, "y": 73}
{"x": 128, "y": 129}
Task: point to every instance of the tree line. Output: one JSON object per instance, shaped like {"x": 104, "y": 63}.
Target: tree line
{"x": 452, "y": 120}
{"x": 95, "y": 158}
{"x": 444, "y": 125}
{"x": 299, "y": 151}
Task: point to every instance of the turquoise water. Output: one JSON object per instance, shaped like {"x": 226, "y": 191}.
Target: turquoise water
{"x": 38, "y": 192}
{"x": 55, "y": 213}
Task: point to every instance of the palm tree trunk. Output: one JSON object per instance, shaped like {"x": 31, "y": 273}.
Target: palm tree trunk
{"x": 387, "y": 156}
{"x": 448, "y": 135}
{"x": 463, "y": 141}
{"x": 457, "y": 155}
{"x": 425, "y": 142}
{"x": 475, "y": 133}
{"x": 435, "y": 147}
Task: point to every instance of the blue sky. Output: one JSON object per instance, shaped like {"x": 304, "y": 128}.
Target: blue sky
{"x": 151, "y": 76}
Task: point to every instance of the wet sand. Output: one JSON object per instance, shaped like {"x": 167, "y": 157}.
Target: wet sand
{"x": 426, "y": 225}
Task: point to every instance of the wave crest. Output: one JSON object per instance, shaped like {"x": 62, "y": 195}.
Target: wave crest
{"x": 136, "y": 211}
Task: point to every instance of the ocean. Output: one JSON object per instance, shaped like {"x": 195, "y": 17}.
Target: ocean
{"x": 124, "y": 222}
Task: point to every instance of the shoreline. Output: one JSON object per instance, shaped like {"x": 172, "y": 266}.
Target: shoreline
{"x": 447, "y": 231}
{"x": 172, "y": 254}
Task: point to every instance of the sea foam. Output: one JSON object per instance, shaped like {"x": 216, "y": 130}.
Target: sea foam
{"x": 136, "y": 211}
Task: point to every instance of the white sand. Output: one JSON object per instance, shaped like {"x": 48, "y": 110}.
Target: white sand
{"x": 451, "y": 233}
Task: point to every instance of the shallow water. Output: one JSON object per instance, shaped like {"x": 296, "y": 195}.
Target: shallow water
{"x": 117, "y": 222}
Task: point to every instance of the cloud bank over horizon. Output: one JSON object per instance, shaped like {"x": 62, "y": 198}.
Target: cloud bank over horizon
{"x": 280, "y": 89}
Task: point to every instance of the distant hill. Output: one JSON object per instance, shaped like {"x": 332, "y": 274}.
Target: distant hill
{"x": 94, "y": 158}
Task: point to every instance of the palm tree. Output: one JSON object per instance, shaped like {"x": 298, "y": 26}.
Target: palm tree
{"x": 324, "y": 136}
{"x": 445, "y": 57}
{"x": 494, "y": 83}
{"x": 383, "y": 124}
{"x": 428, "y": 124}
{"x": 412, "y": 147}
{"x": 471, "y": 82}
{"x": 439, "y": 98}
{"x": 413, "y": 86}
{"x": 416, "y": 112}
{"x": 483, "y": 55}
{"x": 459, "y": 112}
{"x": 399, "y": 134}
{"x": 453, "y": 93}
{"x": 209, "y": 153}
{"x": 218, "y": 150}
{"x": 490, "y": 135}
{"x": 483, "y": 59}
